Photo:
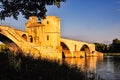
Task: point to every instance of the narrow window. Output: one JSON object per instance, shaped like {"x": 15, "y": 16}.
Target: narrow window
{"x": 47, "y": 22}
{"x": 75, "y": 47}
{"x": 47, "y": 37}
{"x": 31, "y": 39}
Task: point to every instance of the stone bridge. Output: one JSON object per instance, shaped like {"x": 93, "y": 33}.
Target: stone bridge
{"x": 42, "y": 39}
{"x": 16, "y": 43}
{"x": 73, "y": 48}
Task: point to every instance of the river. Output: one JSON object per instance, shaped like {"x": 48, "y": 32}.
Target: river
{"x": 103, "y": 68}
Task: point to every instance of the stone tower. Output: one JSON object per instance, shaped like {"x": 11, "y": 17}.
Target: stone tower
{"x": 45, "y": 33}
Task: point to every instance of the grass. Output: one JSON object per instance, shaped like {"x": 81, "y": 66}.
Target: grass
{"x": 26, "y": 68}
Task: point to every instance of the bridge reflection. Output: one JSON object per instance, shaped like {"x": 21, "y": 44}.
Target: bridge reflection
{"x": 88, "y": 63}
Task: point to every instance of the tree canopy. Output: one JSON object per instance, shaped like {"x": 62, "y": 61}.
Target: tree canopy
{"x": 101, "y": 47}
{"x": 27, "y": 8}
{"x": 114, "y": 47}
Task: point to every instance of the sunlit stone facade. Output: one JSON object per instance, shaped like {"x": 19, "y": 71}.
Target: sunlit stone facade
{"x": 45, "y": 33}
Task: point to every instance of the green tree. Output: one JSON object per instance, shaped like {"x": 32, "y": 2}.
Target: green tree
{"x": 27, "y": 8}
{"x": 101, "y": 47}
{"x": 115, "y": 46}
{"x": 3, "y": 48}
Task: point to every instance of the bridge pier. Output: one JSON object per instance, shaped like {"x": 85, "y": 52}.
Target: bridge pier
{"x": 80, "y": 54}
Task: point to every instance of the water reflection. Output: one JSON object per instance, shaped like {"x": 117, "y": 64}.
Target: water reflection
{"x": 84, "y": 63}
{"x": 104, "y": 68}
{"x": 110, "y": 68}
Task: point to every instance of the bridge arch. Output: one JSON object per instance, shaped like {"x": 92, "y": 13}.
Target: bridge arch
{"x": 13, "y": 47}
{"x": 65, "y": 50}
{"x": 85, "y": 48}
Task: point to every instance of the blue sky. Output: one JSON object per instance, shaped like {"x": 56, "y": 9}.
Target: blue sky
{"x": 85, "y": 20}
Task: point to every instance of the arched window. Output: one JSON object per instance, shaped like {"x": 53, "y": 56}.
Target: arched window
{"x": 24, "y": 37}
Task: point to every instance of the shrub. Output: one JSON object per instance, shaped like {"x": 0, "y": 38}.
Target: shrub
{"x": 20, "y": 67}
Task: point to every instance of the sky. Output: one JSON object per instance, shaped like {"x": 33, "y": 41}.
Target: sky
{"x": 84, "y": 20}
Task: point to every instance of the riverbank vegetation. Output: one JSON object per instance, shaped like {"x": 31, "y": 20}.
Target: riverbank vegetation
{"x": 3, "y": 48}
{"x": 111, "y": 49}
{"x": 20, "y": 67}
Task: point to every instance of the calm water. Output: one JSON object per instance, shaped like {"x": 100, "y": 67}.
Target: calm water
{"x": 106, "y": 68}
